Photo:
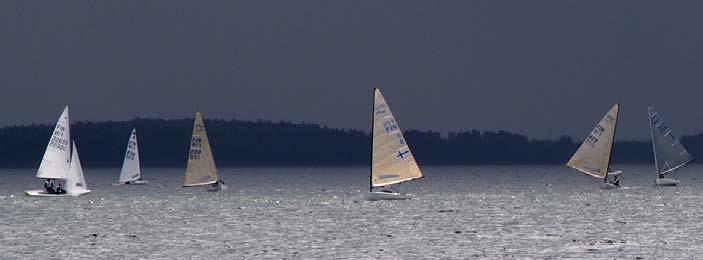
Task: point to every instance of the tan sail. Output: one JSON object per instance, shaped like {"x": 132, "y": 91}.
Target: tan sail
{"x": 201, "y": 168}
{"x": 392, "y": 161}
{"x": 593, "y": 157}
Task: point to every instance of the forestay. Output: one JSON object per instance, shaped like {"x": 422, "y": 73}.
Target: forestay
{"x": 130, "y": 166}
{"x": 669, "y": 153}
{"x": 392, "y": 161}
{"x": 201, "y": 168}
{"x": 593, "y": 156}
{"x": 57, "y": 156}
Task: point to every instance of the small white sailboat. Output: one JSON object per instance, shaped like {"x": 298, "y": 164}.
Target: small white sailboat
{"x": 392, "y": 162}
{"x": 59, "y": 164}
{"x": 593, "y": 156}
{"x": 131, "y": 171}
{"x": 669, "y": 153}
{"x": 201, "y": 168}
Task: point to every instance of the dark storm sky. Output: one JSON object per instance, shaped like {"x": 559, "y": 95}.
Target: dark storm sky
{"x": 541, "y": 68}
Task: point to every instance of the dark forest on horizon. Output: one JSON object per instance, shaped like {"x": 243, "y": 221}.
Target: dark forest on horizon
{"x": 259, "y": 143}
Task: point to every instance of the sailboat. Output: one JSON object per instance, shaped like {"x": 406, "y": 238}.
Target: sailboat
{"x": 593, "y": 156}
{"x": 669, "y": 153}
{"x": 59, "y": 163}
{"x": 201, "y": 168}
{"x": 131, "y": 172}
{"x": 392, "y": 162}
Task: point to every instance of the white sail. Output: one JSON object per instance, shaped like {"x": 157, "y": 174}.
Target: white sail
{"x": 130, "y": 166}
{"x": 75, "y": 181}
{"x": 669, "y": 153}
{"x": 593, "y": 157}
{"x": 201, "y": 168}
{"x": 392, "y": 161}
{"x": 57, "y": 156}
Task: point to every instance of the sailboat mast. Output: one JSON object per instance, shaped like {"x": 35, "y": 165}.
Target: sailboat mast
{"x": 651, "y": 135}
{"x": 615, "y": 131}
{"x": 373, "y": 111}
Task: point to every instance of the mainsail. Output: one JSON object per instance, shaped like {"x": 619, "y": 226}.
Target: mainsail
{"x": 75, "y": 181}
{"x": 593, "y": 157}
{"x": 130, "y": 166}
{"x": 669, "y": 153}
{"x": 201, "y": 168}
{"x": 57, "y": 156}
{"x": 392, "y": 161}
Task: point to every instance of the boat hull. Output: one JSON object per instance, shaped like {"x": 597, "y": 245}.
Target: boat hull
{"x": 374, "y": 196}
{"x": 220, "y": 187}
{"x": 139, "y": 182}
{"x": 43, "y": 193}
{"x": 608, "y": 186}
{"x": 666, "y": 182}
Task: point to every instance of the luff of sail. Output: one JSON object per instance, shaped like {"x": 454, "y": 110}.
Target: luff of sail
{"x": 75, "y": 181}
{"x": 669, "y": 153}
{"x": 56, "y": 159}
{"x": 593, "y": 156}
{"x": 130, "y": 166}
{"x": 201, "y": 168}
{"x": 392, "y": 160}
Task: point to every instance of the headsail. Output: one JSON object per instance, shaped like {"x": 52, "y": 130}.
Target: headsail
{"x": 593, "y": 156}
{"x": 57, "y": 156}
{"x": 201, "y": 168}
{"x": 392, "y": 161}
{"x": 669, "y": 153}
{"x": 130, "y": 166}
{"x": 75, "y": 181}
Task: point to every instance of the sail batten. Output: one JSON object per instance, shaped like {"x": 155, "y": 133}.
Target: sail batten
{"x": 131, "y": 170}
{"x": 392, "y": 161}
{"x": 593, "y": 156}
{"x": 201, "y": 168}
{"x": 669, "y": 153}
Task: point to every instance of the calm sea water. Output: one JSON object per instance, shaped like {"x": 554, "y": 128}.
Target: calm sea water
{"x": 318, "y": 212}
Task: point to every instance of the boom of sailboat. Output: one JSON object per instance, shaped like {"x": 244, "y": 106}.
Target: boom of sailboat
{"x": 391, "y": 163}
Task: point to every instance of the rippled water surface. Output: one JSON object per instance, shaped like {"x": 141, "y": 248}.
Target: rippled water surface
{"x": 318, "y": 212}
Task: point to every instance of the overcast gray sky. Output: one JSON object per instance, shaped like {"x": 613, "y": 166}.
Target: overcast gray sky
{"x": 541, "y": 68}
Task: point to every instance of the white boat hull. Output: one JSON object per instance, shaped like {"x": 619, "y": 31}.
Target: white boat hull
{"x": 666, "y": 182}
{"x": 608, "y": 186}
{"x": 138, "y": 182}
{"x": 374, "y": 196}
{"x": 43, "y": 193}
{"x": 220, "y": 187}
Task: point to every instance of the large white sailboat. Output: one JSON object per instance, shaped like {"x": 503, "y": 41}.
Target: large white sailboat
{"x": 201, "y": 168}
{"x": 669, "y": 153}
{"x": 131, "y": 171}
{"x": 60, "y": 164}
{"x": 593, "y": 156}
{"x": 392, "y": 162}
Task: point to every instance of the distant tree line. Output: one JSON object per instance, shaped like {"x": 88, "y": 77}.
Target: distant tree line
{"x": 251, "y": 143}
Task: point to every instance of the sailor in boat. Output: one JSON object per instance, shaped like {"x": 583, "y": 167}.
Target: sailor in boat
{"x": 60, "y": 190}
{"x": 616, "y": 181}
{"x": 389, "y": 189}
{"x": 49, "y": 186}
{"x": 217, "y": 184}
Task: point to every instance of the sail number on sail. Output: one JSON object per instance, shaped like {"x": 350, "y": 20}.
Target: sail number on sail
{"x": 57, "y": 141}
{"x": 592, "y": 139}
{"x": 195, "y": 145}
{"x": 661, "y": 126}
{"x": 130, "y": 150}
